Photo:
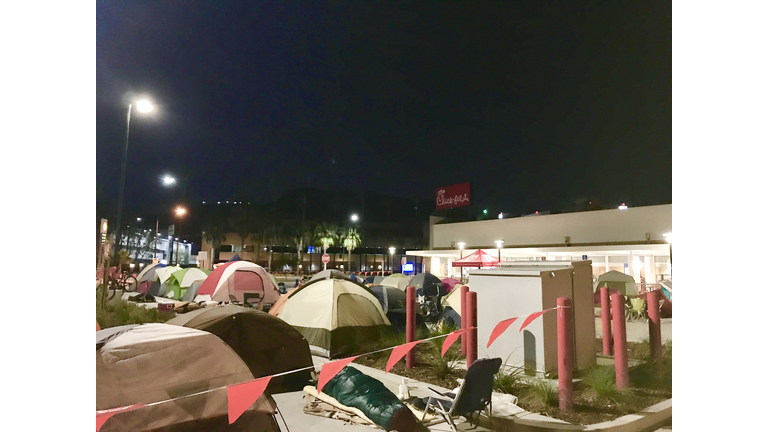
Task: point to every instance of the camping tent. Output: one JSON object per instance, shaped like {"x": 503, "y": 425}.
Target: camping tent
{"x": 238, "y": 278}
{"x": 453, "y": 299}
{"x": 334, "y": 315}
{"x": 329, "y": 274}
{"x": 181, "y": 280}
{"x": 148, "y": 274}
{"x": 397, "y": 280}
{"x": 618, "y": 281}
{"x": 236, "y": 257}
{"x": 267, "y": 344}
{"x": 147, "y": 278}
{"x": 191, "y": 292}
{"x": 449, "y": 283}
{"x": 166, "y": 283}
{"x": 159, "y": 362}
{"x": 428, "y": 284}
{"x": 278, "y": 306}
{"x": 391, "y": 299}
{"x": 477, "y": 258}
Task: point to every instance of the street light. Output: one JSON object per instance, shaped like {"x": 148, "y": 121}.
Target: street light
{"x": 391, "y": 259}
{"x": 168, "y": 180}
{"x": 461, "y": 255}
{"x": 179, "y": 211}
{"x": 461, "y": 249}
{"x": 499, "y": 244}
{"x": 143, "y": 106}
{"x": 354, "y": 217}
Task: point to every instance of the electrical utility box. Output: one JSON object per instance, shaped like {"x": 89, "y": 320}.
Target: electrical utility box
{"x": 519, "y": 289}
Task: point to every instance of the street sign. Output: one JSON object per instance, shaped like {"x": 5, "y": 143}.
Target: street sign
{"x": 326, "y": 258}
{"x": 402, "y": 261}
{"x": 170, "y": 229}
{"x": 154, "y": 261}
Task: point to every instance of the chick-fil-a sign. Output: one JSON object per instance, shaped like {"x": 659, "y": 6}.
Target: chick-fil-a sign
{"x": 452, "y": 196}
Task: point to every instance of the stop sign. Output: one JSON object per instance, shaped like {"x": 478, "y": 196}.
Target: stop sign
{"x": 326, "y": 258}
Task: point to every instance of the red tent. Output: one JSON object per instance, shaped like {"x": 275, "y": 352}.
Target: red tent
{"x": 477, "y": 259}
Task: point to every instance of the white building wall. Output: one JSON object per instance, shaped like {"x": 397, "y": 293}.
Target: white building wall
{"x": 600, "y": 226}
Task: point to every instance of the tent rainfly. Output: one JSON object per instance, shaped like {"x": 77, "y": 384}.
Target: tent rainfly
{"x": 334, "y": 315}
{"x": 159, "y": 362}
{"x": 267, "y": 344}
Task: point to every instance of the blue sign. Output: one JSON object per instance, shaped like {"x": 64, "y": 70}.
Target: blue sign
{"x": 408, "y": 267}
{"x": 584, "y": 257}
{"x": 310, "y": 249}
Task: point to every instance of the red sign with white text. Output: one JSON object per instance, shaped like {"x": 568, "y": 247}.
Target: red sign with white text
{"x": 452, "y": 196}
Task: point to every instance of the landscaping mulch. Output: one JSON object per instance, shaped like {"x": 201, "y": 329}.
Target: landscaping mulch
{"x": 648, "y": 386}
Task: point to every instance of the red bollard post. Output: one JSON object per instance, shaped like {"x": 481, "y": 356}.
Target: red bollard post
{"x": 463, "y": 290}
{"x": 565, "y": 353}
{"x": 605, "y": 314}
{"x": 410, "y": 324}
{"x": 471, "y": 299}
{"x": 620, "y": 341}
{"x": 654, "y": 324}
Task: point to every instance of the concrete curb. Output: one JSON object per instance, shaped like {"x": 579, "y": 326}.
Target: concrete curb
{"x": 650, "y": 418}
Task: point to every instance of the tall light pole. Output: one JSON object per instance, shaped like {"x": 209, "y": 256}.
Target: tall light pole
{"x": 461, "y": 255}
{"x": 499, "y": 244}
{"x": 180, "y": 212}
{"x": 354, "y": 218}
{"x": 143, "y": 106}
{"x": 392, "y": 259}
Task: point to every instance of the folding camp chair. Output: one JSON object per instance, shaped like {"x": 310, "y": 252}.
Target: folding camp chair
{"x": 473, "y": 395}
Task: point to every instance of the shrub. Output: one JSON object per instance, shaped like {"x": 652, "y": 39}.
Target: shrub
{"x": 547, "y": 394}
{"x": 602, "y": 381}
{"x": 508, "y": 380}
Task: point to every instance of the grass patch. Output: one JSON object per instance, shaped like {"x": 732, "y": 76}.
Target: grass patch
{"x": 545, "y": 392}
{"x": 120, "y": 312}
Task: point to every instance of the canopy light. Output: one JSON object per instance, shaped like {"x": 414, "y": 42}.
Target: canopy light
{"x": 144, "y": 106}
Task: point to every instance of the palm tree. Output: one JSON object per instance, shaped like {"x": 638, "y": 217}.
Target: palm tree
{"x": 215, "y": 234}
{"x": 300, "y": 241}
{"x": 242, "y": 222}
{"x": 326, "y": 234}
{"x": 269, "y": 234}
{"x": 351, "y": 240}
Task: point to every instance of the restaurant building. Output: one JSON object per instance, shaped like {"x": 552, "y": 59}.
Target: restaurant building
{"x": 635, "y": 241}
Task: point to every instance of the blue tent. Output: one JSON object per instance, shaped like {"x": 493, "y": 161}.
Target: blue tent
{"x": 235, "y": 258}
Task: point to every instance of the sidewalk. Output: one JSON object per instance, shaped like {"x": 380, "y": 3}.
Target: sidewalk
{"x": 291, "y": 405}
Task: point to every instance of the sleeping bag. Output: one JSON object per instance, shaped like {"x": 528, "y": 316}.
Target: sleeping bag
{"x": 355, "y": 389}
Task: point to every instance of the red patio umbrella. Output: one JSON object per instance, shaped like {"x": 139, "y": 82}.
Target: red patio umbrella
{"x": 477, "y": 259}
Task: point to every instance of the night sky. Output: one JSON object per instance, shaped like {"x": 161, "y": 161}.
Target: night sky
{"x": 537, "y": 104}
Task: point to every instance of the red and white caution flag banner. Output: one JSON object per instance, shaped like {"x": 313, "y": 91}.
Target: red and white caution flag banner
{"x": 504, "y": 325}
{"x": 103, "y": 416}
{"x": 533, "y": 316}
{"x": 452, "y": 336}
{"x": 241, "y": 396}
{"x": 499, "y": 329}
{"x": 330, "y": 370}
{"x": 399, "y": 352}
